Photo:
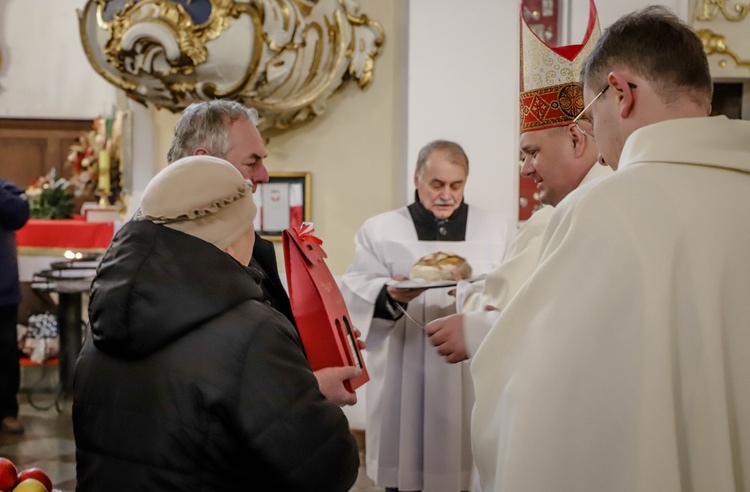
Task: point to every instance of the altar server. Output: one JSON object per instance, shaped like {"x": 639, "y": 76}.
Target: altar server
{"x": 418, "y": 407}
{"x": 622, "y": 365}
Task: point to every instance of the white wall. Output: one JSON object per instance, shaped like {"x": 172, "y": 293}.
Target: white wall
{"x": 463, "y": 86}
{"x": 610, "y": 11}
{"x": 44, "y": 71}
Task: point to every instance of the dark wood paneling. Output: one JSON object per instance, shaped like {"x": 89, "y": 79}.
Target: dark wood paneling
{"x": 31, "y": 148}
{"x": 727, "y": 100}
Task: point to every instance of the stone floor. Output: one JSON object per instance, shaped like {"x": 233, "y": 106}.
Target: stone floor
{"x": 48, "y": 441}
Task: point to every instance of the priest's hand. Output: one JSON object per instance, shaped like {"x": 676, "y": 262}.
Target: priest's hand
{"x": 404, "y": 296}
{"x": 447, "y": 335}
{"x": 331, "y": 382}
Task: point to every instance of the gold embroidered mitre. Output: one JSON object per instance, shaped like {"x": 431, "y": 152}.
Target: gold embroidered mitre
{"x": 551, "y": 93}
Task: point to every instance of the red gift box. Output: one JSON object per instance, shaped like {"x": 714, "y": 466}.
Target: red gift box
{"x": 322, "y": 319}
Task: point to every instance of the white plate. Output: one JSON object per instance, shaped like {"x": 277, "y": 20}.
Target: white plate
{"x": 424, "y": 284}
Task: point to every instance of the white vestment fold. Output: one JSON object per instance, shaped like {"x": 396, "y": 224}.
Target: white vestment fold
{"x": 418, "y": 407}
{"x": 504, "y": 281}
{"x": 622, "y": 364}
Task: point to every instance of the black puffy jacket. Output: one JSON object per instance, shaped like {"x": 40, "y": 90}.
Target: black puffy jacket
{"x": 189, "y": 382}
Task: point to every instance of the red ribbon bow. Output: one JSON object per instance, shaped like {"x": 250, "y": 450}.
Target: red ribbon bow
{"x": 305, "y": 233}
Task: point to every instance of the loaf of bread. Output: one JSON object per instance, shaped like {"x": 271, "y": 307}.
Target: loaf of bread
{"x": 438, "y": 266}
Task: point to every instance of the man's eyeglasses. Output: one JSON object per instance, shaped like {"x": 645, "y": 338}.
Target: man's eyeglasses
{"x": 583, "y": 112}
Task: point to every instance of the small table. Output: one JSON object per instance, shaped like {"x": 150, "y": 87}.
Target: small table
{"x": 69, "y": 325}
{"x": 70, "y": 282}
{"x": 48, "y": 240}
{"x": 42, "y": 242}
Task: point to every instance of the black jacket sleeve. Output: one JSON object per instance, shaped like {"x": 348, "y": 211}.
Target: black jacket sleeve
{"x": 264, "y": 258}
{"x": 304, "y": 438}
{"x": 14, "y": 208}
{"x": 386, "y": 307}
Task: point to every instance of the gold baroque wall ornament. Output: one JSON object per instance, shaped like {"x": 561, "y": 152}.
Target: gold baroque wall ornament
{"x": 283, "y": 57}
{"x": 716, "y": 44}
{"x": 711, "y": 8}
{"x": 722, "y": 24}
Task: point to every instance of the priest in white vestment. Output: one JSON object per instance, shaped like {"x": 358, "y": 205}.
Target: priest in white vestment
{"x": 558, "y": 155}
{"x": 419, "y": 408}
{"x": 622, "y": 364}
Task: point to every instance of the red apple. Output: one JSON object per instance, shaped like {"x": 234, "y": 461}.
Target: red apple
{"x": 8, "y": 474}
{"x": 30, "y": 485}
{"x": 37, "y": 474}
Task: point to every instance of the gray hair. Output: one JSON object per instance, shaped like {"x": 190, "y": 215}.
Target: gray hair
{"x": 655, "y": 44}
{"x": 455, "y": 152}
{"x": 206, "y": 124}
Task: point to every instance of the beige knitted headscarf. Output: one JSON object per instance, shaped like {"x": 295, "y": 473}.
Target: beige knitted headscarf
{"x": 203, "y": 196}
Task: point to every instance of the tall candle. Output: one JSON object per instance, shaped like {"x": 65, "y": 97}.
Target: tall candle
{"x": 104, "y": 170}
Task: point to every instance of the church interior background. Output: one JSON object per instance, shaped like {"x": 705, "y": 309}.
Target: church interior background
{"x": 424, "y": 69}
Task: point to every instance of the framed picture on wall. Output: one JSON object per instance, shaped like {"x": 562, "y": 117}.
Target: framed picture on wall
{"x": 283, "y": 202}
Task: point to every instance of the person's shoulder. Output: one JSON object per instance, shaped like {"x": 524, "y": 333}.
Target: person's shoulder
{"x": 263, "y": 249}
{"x": 539, "y": 218}
{"x": 386, "y": 217}
{"x": 601, "y": 201}
{"x": 262, "y": 324}
{"x": 586, "y": 195}
{"x": 598, "y": 184}
{"x": 10, "y": 187}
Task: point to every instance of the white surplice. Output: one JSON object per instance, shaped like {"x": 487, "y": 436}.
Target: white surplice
{"x": 622, "y": 364}
{"x": 503, "y": 282}
{"x": 418, "y": 406}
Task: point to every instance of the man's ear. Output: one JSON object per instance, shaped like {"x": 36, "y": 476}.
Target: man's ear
{"x": 623, "y": 92}
{"x": 201, "y": 151}
{"x": 578, "y": 139}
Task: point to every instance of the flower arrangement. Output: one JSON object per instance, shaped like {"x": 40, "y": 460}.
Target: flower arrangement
{"x": 93, "y": 162}
{"x": 94, "y": 159}
{"x": 49, "y": 197}
{"x": 83, "y": 158}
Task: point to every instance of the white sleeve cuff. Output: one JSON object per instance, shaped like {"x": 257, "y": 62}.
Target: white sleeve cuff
{"x": 476, "y": 326}
{"x": 464, "y": 290}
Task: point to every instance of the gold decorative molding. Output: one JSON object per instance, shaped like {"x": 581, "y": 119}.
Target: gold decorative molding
{"x": 712, "y": 8}
{"x": 716, "y": 44}
{"x": 722, "y": 26}
{"x": 283, "y": 57}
